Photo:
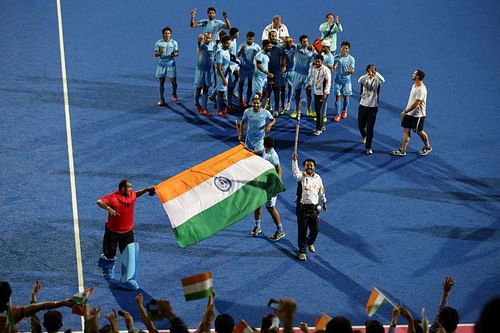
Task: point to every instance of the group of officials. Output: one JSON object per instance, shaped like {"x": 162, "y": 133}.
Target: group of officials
{"x": 271, "y": 69}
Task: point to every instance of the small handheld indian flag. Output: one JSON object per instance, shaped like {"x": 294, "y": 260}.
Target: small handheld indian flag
{"x": 80, "y": 300}
{"x": 375, "y": 300}
{"x": 320, "y": 323}
{"x": 243, "y": 327}
{"x": 197, "y": 286}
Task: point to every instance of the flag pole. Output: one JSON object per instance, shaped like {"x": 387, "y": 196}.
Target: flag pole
{"x": 297, "y": 127}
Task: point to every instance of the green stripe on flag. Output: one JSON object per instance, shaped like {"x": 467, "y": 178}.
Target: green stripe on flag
{"x": 230, "y": 210}
{"x": 198, "y": 295}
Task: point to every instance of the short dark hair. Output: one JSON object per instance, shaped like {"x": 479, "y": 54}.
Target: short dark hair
{"x": 309, "y": 160}
{"x": 233, "y": 31}
{"x": 448, "y": 317}
{"x": 339, "y": 325}
{"x": 224, "y": 323}
{"x": 302, "y": 37}
{"x": 420, "y": 74}
{"x": 52, "y": 321}
{"x": 211, "y": 8}
{"x": 266, "y": 42}
{"x": 225, "y": 39}
{"x": 5, "y": 293}
{"x": 328, "y": 14}
{"x": 268, "y": 142}
{"x": 371, "y": 66}
{"x": 250, "y": 34}
{"x": 373, "y": 326}
{"x": 166, "y": 29}
{"x": 319, "y": 56}
{"x": 346, "y": 43}
{"x": 123, "y": 183}
{"x": 488, "y": 319}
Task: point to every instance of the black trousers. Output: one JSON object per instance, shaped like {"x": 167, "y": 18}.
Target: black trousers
{"x": 112, "y": 240}
{"x": 307, "y": 218}
{"x": 320, "y": 111}
{"x": 366, "y": 123}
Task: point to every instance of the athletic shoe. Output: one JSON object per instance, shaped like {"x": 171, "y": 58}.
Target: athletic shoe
{"x": 275, "y": 113}
{"x": 174, "y": 99}
{"x": 344, "y": 115}
{"x": 281, "y": 111}
{"x": 317, "y": 132}
{"x": 325, "y": 119}
{"x": 161, "y": 102}
{"x": 323, "y": 128}
{"x": 425, "y": 151}
{"x": 310, "y": 112}
{"x": 336, "y": 119}
{"x": 302, "y": 256}
{"x": 311, "y": 248}
{"x": 277, "y": 236}
{"x": 398, "y": 152}
{"x": 255, "y": 232}
{"x": 287, "y": 106}
{"x": 369, "y": 151}
{"x": 294, "y": 114}
{"x": 363, "y": 140}
{"x": 207, "y": 113}
{"x": 198, "y": 108}
{"x": 222, "y": 114}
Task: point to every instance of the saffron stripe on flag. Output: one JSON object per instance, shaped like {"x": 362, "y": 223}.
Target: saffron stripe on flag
{"x": 196, "y": 278}
{"x": 180, "y": 184}
{"x": 197, "y": 286}
{"x": 186, "y": 206}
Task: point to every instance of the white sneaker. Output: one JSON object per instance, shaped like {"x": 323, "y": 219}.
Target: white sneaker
{"x": 311, "y": 248}
{"x": 425, "y": 151}
{"x": 369, "y": 151}
{"x": 317, "y": 132}
{"x": 302, "y": 256}
{"x": 363, "y": 140}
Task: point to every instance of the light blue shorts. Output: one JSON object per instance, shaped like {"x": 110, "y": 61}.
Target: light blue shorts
{"x": 202, "y": 78}
{"x": 342, "y": 87}
{"x": 163, "y": 71}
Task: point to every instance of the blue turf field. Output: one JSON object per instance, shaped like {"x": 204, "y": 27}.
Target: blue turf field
{"x": 399, "y": 224}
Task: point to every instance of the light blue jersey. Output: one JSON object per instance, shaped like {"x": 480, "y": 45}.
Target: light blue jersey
{"x": 222, "y": 57}
{"x": 263, "y": 59}
{"x": 272, "y": 157}
{"x": 303, "y": 60}
{"x": 343, "y": 63}
{"x": 290, "y": 57}
{"x": 328, "y": 59}
{"x": 211, "y": 26}
{"x": 206, "y": 54}
{"x": 247, "y": 56}
{"x": 256, "y": 122}
{"x": 166, "y": 58}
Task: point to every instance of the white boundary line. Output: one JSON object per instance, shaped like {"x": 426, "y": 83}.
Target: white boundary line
{"x": 69, "y": 141}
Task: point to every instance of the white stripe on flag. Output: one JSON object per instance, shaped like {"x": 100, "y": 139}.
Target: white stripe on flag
{"x": 187, "y": 205}
{"x": 196, "y": 287}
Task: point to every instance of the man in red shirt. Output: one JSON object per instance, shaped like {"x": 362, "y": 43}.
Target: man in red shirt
{"x": 119, "y": 228}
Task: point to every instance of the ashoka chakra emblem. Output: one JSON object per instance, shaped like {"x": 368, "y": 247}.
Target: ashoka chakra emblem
{"x": 223, "y": 183}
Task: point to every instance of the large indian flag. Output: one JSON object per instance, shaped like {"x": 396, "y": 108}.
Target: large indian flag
{"x": 211, "y": 196}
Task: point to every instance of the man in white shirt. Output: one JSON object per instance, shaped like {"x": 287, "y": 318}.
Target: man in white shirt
{"x": 413, "y": 116}
{"x": 280, "y": 28}
{"x": 320, "y": 80}
{"x": 310, "y": 191}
